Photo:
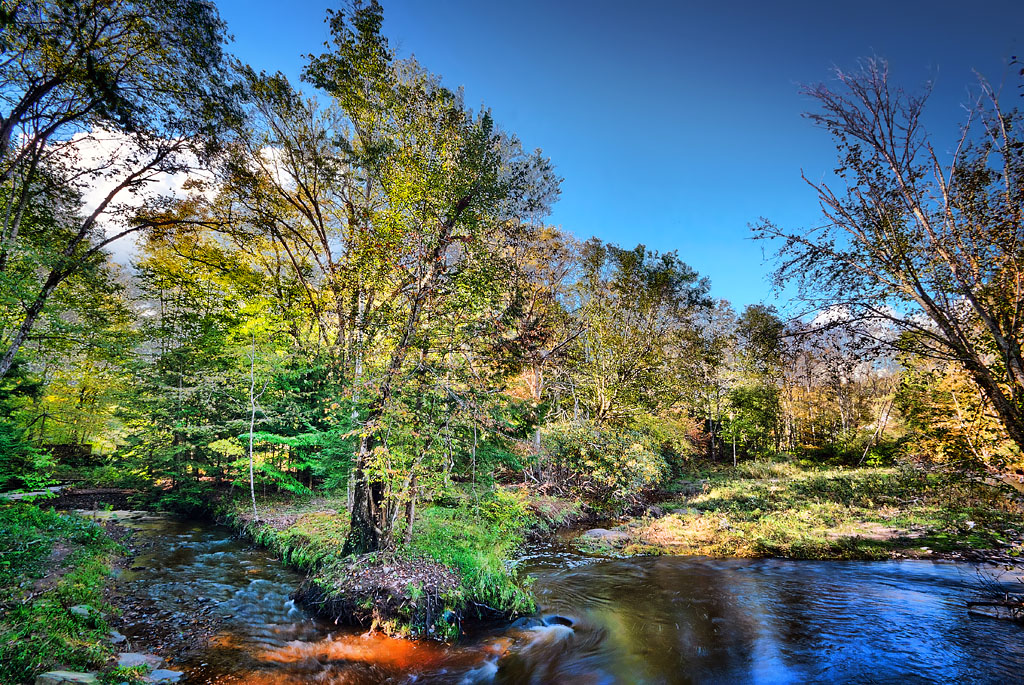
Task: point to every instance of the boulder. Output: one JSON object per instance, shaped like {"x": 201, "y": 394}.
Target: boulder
{"x": 116, "y": 637}
{"x": 164, "y": 675}
{"x": 82, "y": 610}
{"x": 133, "y": 659}
{"x": 605, "y": 535}
{"x": 526, "y": 623}
{"x": 65, "y": 678}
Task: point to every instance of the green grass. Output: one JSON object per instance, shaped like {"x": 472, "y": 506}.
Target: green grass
{"x": 305, "y": 532}
{"x": 781, "y": 509}
{"x": 37, "y": 630}
{"x": 476, "y": 539}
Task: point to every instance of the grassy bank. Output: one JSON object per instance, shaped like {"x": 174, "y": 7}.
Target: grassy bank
{"x": 780, "y": 509}
{"x": 453, "y": 568}
{"x": 53, "y": 568}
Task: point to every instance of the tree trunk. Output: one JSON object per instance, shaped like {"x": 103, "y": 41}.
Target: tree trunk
{"x": 369, "y": 530}
{"x": 410, "y": 511}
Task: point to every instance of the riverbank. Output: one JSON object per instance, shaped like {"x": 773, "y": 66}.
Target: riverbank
{"x": 53, "y": 574}
{"x": 779, "y": 509}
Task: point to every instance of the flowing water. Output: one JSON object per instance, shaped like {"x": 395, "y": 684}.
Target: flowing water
{"x": 645, "y": 620}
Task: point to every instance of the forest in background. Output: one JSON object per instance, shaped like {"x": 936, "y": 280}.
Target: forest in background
{"x": 357, "y": 291}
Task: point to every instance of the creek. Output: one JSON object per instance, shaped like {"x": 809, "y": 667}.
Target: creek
{"x": 639, "y": 620}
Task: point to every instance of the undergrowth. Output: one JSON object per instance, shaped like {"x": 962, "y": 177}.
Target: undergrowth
{"x": 476, "y": 539}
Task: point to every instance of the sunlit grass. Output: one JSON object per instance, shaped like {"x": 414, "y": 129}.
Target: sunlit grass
{"x": 780, "y": 509}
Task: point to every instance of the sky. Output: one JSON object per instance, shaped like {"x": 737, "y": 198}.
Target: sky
{"x": 673, "y": 124}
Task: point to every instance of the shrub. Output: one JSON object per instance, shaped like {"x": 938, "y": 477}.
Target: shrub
{"x": 21, "y": 464}
{"x": 602, "y": 464}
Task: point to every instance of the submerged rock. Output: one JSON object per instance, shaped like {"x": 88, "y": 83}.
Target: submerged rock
{"x": 556, "y": 620}
{"x": 526, "y": 623}
{"x": 65, "y": 678}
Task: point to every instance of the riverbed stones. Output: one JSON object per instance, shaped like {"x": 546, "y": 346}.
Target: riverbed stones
{"x": 556, "y": 620}
{"x": 133, "y": 659}
{"x": 65, "y": 678}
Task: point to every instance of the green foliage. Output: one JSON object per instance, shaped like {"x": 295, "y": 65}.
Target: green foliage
{"x": 188, "y": 497}
{"x": 753, "y": 421}
{"x": 133, "y": 675}
{"x": 477, "y": 541}
{"x": 637, "y": 309}
{"x": 607, "y": 465}
{"x": 21, "y": 464}
{"x": 39, "y": 631}
{"x": 115, "y": 475}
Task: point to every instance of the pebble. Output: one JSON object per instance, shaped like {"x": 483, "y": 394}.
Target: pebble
{"x": 82, "y": 610}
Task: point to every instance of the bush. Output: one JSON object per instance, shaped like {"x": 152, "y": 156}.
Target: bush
{"x": 111, "y": 476}
{"x": 604, "y": 465}
{"x": 21, "y": 464}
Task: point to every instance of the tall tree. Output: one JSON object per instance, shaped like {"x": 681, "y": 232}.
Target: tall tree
{"x": 926, "y": 241}
{"x": 637, "y": 309}
{"x": 98, "y": 97}
{"x": 445, "y": 189}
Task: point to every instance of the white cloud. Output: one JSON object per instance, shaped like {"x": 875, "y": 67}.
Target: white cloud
{"x": 105, "y": 158}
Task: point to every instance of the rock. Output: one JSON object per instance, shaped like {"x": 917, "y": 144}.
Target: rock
{"x": 116, "y": 637}
{"x": 82, "y": 610}
{"x": 655, "y": 512}
{"x": 132, "y": 659}
{"x": 164, "y": 675}
{"x": 526, "y": 623}
{"x": 556, "y": 620}
{"x": 605, "y": 535}
{"x": 65, "y": 678}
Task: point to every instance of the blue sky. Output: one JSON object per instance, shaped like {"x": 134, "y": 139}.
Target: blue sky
{"x": 674, "y": 124}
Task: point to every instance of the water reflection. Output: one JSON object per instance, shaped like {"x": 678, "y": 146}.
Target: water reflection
{"x": 650, "y": 620}
{"x": 676, "y": 620}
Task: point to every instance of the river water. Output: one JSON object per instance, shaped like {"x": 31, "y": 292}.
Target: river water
{"x": 642, "y": 620}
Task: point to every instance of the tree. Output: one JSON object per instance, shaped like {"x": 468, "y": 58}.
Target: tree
{"x": 633, "y": 355}
{"x": 105, "y": 97}
{"x": 926, "y": 242}
{"x": 754, "y": 407}
{"x": 444, "y": 191}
